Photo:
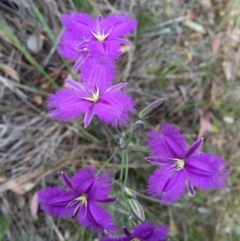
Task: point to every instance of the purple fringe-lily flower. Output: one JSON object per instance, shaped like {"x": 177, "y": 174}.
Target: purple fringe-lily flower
{"x": 94, "y": 96}
{"x": 85, "y": 36}
{"x": 143, "y": 232}
{"x": 81, "y": 199}
{"x": 181, "y": 166}
{"x": 109, "y": 104}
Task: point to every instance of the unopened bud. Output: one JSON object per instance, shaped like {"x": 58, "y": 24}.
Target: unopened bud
{"x": 138, "y": 126}
{"x": 129, "y": 192}
{"x": 136, "y": 207}
{"x": 152, "y": 108}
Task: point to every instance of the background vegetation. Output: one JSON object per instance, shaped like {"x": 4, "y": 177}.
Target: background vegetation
{"x": 187, "y": 51}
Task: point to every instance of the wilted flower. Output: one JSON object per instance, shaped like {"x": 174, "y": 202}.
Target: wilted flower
{"x": 81, "y": 199}
{"x": 181, "y": 166}
{"x": 143, "y": 232}
{"x": 85, "y": 36}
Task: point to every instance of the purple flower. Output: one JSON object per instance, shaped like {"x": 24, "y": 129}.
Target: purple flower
{"x": 85, "y": 36}
{"x": 143, "y": 232}
{"x": 81, "y": 199}
{"x": 181, "y": 166}
{"x": 108, "y": 104}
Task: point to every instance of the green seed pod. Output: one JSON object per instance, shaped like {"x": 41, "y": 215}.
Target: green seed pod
{"x": 152, "y": 108}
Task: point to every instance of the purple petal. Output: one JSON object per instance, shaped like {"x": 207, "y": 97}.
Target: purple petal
{"x": 67, "y": 46}
{"x": 126, "y": 231}
{"x": 108, "y": 200}
{"x": 150, "y": 232}
{"x": 89, "y": 115}
{"x": 116, "y": 239}
{"x": 160, "y": 233}
{"x": 54, "y": 201}
{"x": 100, "y": 188}
{"x": 66, "y": 104}
{"x": 121, "y": 24}
{"x": 114, "y": 108}
{"x": 83, "y": 179}
{"x": 206, "y": 171}
{"x": 170, "y": 143}
{"x": 76, "y": 85}
{"x": 159, "y": 160}
{"x": 78, "y": 23}
{"x": 143, "y": 231}
{"x": 190, "y": 188}
{"x": 116, "y": 87}
{"x": 96, "y": 218}
{"x": 83, "y": 56}
{"x": 67, "y": 180}
{"x": 123, "y": 41}
{"x": 167, "y": 185}
{"x": 110, "y": 49}
{"x": 194, "y": 147}
{"x": 98, "y": 71}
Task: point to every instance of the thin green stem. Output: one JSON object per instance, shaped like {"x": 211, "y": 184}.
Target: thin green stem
{"x": 90, "y": 136}
{"x": 126, "y": 167}
{"x": 108, "y": 160}
{"x": 109, "y": 132}
{"x": 122, "y": 165}
{"x": 129, "y": 139}
{"x": 138, "y": 150}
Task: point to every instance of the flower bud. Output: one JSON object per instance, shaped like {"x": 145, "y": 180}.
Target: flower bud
{"x": 129, "y": 192}
{"x": 138, "y": 126}
{"x": 136, "y": 207}
{"x": 152, "y": 108}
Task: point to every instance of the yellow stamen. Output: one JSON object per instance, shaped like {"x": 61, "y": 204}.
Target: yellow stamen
{"x": 100, "y": 37}
{"x": 135, "y": 239}
{"x": 180, "y": 164}
{"x": 83, "y": 199}
{"x": 95, "y": 96}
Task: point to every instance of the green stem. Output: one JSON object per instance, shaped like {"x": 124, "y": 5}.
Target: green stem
{"x": 129, "y": 139}
{"x": 126, "y": 168}
{"x": 138, "y": 150}
{"x": 109, "y": 132}
{"x": 108, "y": 160}
{"x": 122, "y": 165}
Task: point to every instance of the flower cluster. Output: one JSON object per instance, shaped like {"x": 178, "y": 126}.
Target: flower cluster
{"x": 95, "y": 44}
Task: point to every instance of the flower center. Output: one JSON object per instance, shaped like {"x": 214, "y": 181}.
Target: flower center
{"x": 100, "y": 37}
{"x": 94, "y": 96}
{"x": 99, "y": 33}
{"x": 135, "y": 239}
{"x": 82, "y": 199}
{"x": 180, "y": 164}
